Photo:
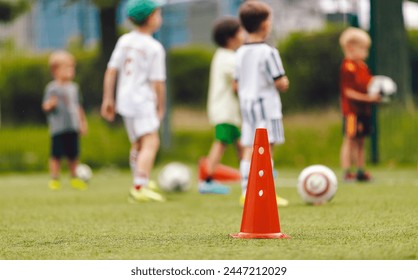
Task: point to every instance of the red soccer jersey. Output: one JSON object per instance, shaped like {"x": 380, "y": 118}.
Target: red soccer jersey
{"x": 356, "y": 76}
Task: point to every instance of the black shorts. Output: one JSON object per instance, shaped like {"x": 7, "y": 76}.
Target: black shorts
{"x": 65, "y": 144}
{"x": 357, "y": 126}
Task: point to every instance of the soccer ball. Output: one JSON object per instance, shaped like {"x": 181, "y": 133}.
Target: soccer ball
{"x": 317, "y": 184}
{"x": 174, "y": 176}
{"x": 382, "y": 85}
{"x": 84, "y": 172}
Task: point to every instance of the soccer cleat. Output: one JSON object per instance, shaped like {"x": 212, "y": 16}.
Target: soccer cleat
{"x": 145, "y": 194}
{"x": 275, "y": 174}
{"x": 54, "y": 184}
{"x": 363, "y": 176}
{"x": 242, "y": 200}
{"x": 349, "y": 177}
{"x": 280, "y": 201}
{"x": 152, "y": 185}
{"x": 213, "y": 187}
{"x": 78, "y": 184}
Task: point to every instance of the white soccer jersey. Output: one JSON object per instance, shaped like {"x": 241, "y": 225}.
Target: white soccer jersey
{"x": 139, "y": 59}
{"x": 258, "y": 66}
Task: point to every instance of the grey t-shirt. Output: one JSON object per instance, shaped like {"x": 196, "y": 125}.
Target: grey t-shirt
{"x": 65, "y": 117}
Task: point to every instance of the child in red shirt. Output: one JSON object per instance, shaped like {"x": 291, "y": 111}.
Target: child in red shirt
{"x": 355, "y": 102}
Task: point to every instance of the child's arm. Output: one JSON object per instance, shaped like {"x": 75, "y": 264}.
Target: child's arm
{"x": 108, "y": 104}
{"x": 159, "y": 88}
{"x": 361, "y": 97}
{"x": 282, "y": 84}
{"x": 50, "y": 104}
{"x": 235, "y": 86}
{"x": 83, "y": 121}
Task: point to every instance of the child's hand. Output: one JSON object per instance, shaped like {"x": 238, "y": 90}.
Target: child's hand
{"x": 107, "y": 110}
{"x": 50, "y": 104}
{"x": 377, "y": 98}
{"x": 160, "y": 113}
{"x": 83, "y": 128}
{"x": 282, "y": 84}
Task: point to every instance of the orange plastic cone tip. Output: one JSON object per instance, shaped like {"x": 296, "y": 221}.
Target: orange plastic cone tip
{"x": 260, "y": 218}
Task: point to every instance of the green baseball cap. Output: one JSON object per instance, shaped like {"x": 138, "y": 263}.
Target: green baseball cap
{"x": 139, "y": 10}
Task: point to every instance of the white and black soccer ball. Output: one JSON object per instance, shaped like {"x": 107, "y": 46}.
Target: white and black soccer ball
{"x": 317, "y": 184}
{"x": 382, "y": 85}
{"x": 175, "y": 176}
{"x": 84, "y": 172}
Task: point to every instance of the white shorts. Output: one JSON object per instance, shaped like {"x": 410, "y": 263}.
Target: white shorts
{"x": 256, "y": 116}
{"x": 138, "y": 126}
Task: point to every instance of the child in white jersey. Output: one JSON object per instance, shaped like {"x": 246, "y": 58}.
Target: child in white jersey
{"x": 223, "y": 106}
{"x": 138, "y": 62}
{"x": 259, "y": 76}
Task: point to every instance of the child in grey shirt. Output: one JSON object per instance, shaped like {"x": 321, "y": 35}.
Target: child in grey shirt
{"x": 66, "y": 118}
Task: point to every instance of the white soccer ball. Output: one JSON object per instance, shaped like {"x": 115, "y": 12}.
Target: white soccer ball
{"x": 84, "y": 172}
{"x": 174, "y": 176}
{"x": 317, "y": 184}
{"x": 382, "y": 85}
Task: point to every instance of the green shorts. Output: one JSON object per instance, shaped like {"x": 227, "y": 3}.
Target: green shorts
{"x": 227, "y": 133}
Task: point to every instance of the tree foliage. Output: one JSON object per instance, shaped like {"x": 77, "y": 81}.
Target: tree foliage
{"x": 9, "y": 10}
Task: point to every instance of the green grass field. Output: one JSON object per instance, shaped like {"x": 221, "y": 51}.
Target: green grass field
{"x": 364, "y": 221}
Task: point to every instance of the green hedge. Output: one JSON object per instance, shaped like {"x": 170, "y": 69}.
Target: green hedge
{"x": 188, "y": 70}
{"x": 21, "y": 82}
{"x": 311, "y": 60}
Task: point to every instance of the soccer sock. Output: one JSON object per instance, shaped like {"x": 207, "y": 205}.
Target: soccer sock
{"x": 140, "y": 181}
{"x": 244, "y": 168}
{"x": 133, "y": 155}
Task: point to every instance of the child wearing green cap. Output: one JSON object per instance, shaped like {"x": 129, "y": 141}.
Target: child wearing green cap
{"x": 138, "y": 65}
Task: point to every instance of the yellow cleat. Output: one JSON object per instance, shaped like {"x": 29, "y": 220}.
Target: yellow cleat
{"x": 280, "y": 201}
{"x": 145, "y": 194}
{"x": 78, "y": 184}
{"x": 54, "y": 184}
{"x": 152, "y": 185}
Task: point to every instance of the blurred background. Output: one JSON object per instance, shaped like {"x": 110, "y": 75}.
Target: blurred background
{"x": 305, "y": 31}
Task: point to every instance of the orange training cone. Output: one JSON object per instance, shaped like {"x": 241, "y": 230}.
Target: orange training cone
{"x": 260, "y": 218}
{"x": 222, "y": 172}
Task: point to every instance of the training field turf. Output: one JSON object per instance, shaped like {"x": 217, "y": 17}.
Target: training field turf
{"x": 364, "y": 221}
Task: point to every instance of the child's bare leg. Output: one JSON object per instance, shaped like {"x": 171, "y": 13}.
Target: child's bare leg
{"x": 149, "y": 145}
{"x": 346, "y": 153}
{"x": 239, "y": 150}
{"x": 245, "y": 167}
{"x": 215, "y": 156}
{"x": 72, "y": 165}
{"x": 54, "y": 168}
{"x": 133, "y": 158}
{"x": 360, "y": 158}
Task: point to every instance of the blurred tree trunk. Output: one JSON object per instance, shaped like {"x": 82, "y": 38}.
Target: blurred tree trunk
{"x": 108, "y": 30}
{"x": 108, "y": 27}
{"x": 389, "y": 52}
